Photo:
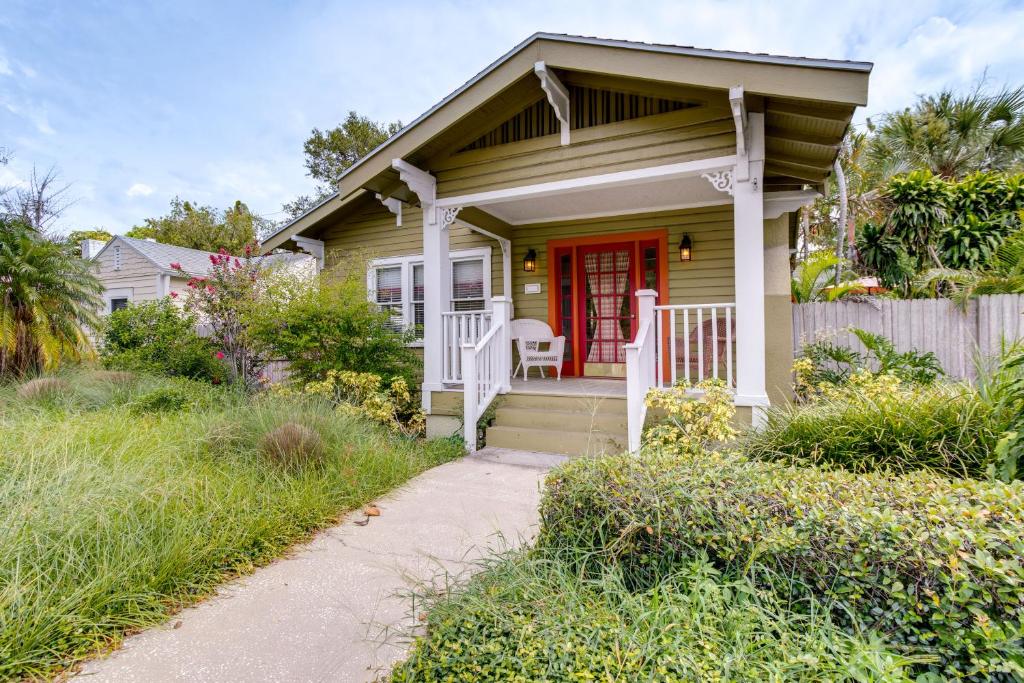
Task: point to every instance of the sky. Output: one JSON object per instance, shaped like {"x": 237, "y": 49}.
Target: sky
{"x": 137, "y": 102}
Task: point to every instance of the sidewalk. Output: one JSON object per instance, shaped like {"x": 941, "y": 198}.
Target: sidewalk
{"x": 333, "y": 611}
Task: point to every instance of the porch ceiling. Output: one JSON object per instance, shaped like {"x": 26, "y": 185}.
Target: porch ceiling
{"x": 647, "y": 197}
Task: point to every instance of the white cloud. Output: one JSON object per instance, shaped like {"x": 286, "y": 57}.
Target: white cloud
{"x": 139, "y": 190}
{"x": 5, "y": 67}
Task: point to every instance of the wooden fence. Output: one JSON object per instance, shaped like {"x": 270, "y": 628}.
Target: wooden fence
{"x": 957, "y": 336}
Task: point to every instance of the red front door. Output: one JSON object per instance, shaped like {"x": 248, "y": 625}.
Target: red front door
{"x": 594, "y": 299}
{"x": 606, "y": 320}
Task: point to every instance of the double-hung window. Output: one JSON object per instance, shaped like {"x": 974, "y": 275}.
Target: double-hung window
{"x": 397, "y": 286}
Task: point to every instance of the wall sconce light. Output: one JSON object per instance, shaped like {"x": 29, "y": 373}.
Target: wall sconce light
{"x": 685, "y": 249}
{"x": 530, "y": 261}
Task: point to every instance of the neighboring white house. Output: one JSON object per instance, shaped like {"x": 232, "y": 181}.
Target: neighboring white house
{"x": 134, "y": 270}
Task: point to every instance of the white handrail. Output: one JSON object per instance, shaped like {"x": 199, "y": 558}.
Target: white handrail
{"x": 486, "y": 365}
{"x": 641, "y": 357}
{"x": 713, "y": 326}
{"x": 458, "y": 328}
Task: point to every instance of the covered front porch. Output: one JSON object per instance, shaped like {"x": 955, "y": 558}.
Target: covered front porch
{"x": 635, "y": 313}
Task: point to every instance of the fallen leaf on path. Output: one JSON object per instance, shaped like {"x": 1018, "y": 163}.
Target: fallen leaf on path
{"x": 371, "y": 511}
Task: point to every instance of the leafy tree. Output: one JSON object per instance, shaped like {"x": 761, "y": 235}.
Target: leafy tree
{"x": 204, "y": 227}
{"x": 883, "y": 255}
{"x": 330, "y": 152}
{"x": 75, "y": 238}
{"x": 952, "y": 135}
{"x": 814, "y": 279}
{"x": 158, "y": 337}
{"x": 49, "y": 299}
{"x": 1004, "y": 274}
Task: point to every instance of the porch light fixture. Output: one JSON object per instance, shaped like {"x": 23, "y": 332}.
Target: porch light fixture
{"x": 685, "y": 249}
{"x": 530, "y": 261}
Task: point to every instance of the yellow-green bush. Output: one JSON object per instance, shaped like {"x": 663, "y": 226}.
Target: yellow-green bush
{"x": 692, "y": 423}
{"x": 932, "y": 563}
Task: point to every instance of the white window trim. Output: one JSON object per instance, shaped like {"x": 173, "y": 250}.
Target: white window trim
{"x": 121, "y": 293}
{"x": 407, "y": 263}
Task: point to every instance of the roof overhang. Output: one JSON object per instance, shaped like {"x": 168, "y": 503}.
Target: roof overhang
{"x": 808, "y": 104}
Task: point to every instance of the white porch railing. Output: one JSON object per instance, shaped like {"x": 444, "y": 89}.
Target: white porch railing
{"x": 460, "y": 327}
{"x": 700, "y": 338}
{"x": 701, "y": 343}
{"x": 486, "y": 368}
{"x": 641, "y": 356}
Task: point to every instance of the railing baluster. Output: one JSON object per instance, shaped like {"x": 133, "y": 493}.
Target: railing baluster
{"x": 728, "y": 346}
{"x": 686, "y": 346}
{"x": 660, "y": 345}
{"x": 672, "y": 344}
{"x": 714, "y": 339}
{"x": 700, "y": 345}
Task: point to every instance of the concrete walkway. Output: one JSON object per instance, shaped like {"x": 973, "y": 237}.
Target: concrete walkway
{"x": 335, "y": 609}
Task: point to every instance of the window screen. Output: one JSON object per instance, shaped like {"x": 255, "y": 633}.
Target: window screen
{"x": 417, "y": 299}
{"x": 468, "y": 285}
{"x": 118, "y": 304}
{"x": 389, "y": 293}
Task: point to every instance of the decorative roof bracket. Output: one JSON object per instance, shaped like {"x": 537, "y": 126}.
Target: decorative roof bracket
{"x": 394, "y": 205}
{"x": 739, "y": 117}
{"x": 421, "y": 183}
{"x": 558, "y": 96}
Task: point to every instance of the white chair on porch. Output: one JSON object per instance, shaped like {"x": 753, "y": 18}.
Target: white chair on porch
{"x": 529, "y": 335}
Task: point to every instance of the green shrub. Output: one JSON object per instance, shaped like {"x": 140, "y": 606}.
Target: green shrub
{"x": 530, "y": 617}
{"x": 156, "y": 337}
{"x": 933, "y": 564}
{"x": 333, "y": 327}
{"x": 874, "y": 425}
{"x": 173, "y": 396}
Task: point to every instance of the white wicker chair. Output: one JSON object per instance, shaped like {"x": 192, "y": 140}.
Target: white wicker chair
{"x": 529, "y": 335}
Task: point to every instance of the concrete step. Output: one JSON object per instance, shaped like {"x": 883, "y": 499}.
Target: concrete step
{"x": 555, "y": 441}
{"x": 566, "y": 402}
{"x": 562, "y": 420}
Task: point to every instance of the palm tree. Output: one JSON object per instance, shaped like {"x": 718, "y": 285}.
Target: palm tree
{"x": 49, "y": 297}
{"x": 952, "y": 135}
{"x": 814, "y": 278}
{"x": 1003, "y": 274}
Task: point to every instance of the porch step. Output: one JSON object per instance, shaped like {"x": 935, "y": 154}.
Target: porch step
{"x": 567, "y": 423}
{"x": 555, "y": 441}
{"x": 568, "y": 402}
{"x": 563, "y": 420}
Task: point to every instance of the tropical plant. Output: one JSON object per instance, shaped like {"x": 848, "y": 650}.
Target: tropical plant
{"x": 1004, "y": 274}
{"x": 883, "y": 255}
{"x": 951, "y": 135}
{"x": 814, "y": 279}
{"x": 49, "y": 300}
{"x": 827, "y": 363}
{"x": 918, "y": 211}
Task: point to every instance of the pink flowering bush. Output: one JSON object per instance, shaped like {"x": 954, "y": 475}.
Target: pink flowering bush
{"x": 222, "y": 302}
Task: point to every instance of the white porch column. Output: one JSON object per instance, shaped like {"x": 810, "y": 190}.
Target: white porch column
{"x": 748, "y": 197}
{"x": 436, "y": 282}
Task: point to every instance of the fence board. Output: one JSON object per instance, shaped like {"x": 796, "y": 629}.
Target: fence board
{"x": 956, "y": 336}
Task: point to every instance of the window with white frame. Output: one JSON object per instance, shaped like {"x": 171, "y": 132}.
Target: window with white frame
{"x": 397, "y": 285}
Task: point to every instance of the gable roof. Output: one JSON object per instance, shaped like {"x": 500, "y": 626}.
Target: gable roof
{"x": 193, "y": 261}
{"x": 827, "y": 81}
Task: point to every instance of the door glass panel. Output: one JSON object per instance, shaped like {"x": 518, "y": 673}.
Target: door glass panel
{"x": 608, "y": 305}
{"x": 565, "y": 302}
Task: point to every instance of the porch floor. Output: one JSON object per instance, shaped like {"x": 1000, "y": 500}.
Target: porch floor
{"x": 570, "y": 386}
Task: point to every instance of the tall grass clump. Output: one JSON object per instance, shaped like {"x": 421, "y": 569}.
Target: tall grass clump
{"x": 532, "y": 617}
{"x": 932, "y": 564}
{"x": 882, "y": 424}
{"x": 111, "y": 518}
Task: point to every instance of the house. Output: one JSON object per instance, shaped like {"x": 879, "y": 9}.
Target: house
{"x": 638, "y": 199}
{"x": 134, "y": 270}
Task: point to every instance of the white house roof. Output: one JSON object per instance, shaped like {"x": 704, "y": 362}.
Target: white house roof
{"x": 192, "y": 261}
